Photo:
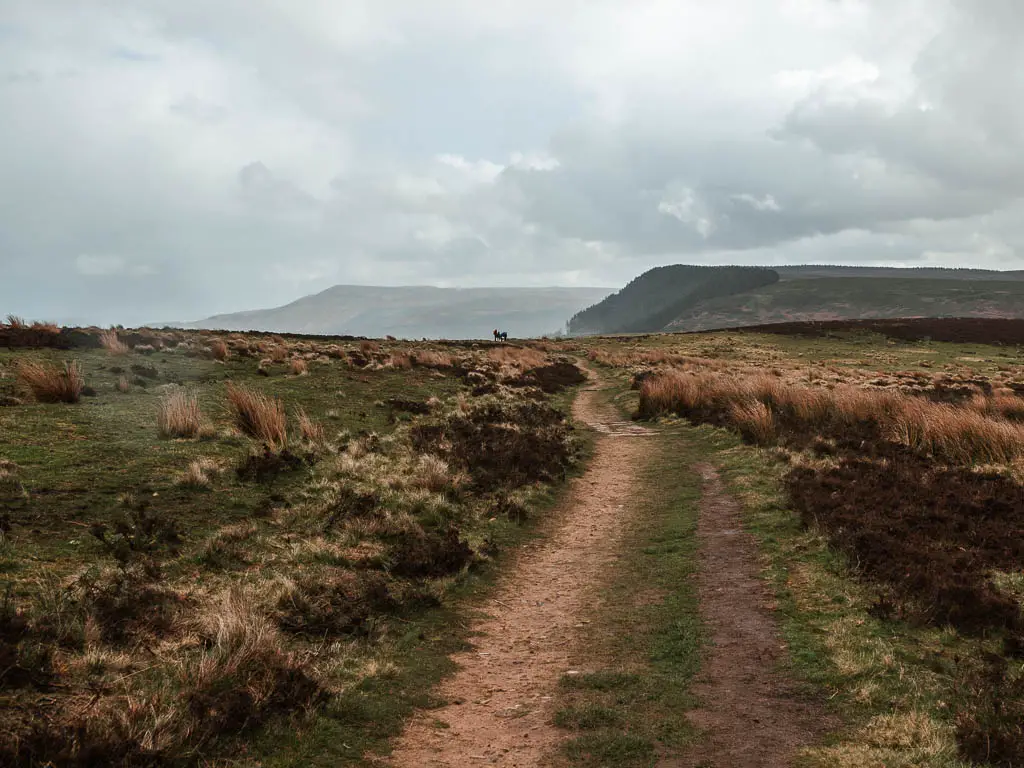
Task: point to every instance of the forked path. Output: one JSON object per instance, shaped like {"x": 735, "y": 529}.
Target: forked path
{"x": 498, "y": 708}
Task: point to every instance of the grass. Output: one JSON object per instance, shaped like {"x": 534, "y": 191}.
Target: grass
{"x": 851, "y": 416}
{"x": 109, "y": 341}
{"x": 258, "y": 415}
{"x": 51, "y": 383}
{"x": 179, "y": 414}
{"x": 891, "y": 683}
{"x": 122, "y": 541}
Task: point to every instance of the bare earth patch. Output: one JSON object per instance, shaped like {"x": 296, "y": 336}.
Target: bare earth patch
{"x": 499, "y": 702}
{"x": 753, "y": 717}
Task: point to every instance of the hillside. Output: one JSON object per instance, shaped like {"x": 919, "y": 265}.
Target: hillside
{"x": 414, "y": 312}
{"x": 807, "y": 271}
{"x": 844, "y": 298}
{"x": 658, "y": 296}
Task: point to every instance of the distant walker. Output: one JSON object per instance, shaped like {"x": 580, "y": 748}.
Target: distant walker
{"x": 500, "y": 335}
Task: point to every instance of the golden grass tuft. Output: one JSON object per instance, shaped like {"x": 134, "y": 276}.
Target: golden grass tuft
{"x": 51, "y": 383}
{"x": 310, "y": 430}
{"x": 219, "y": 350}
{"x": 298, "y": 367}
{"x": 110, "y": 342}
{"x": 755, "y": 421}
{"x": 278, "y": 353}
{"x": 522, "y": 357}
{"x": 200, "y": 473}
{"x": 433, "y": 473}
{"x": 179, "y": 414}
{"x": 258, "y": 415}
{"x": 368, "y": 347}
{"x": 16, "y": 323}
{"x": 400, "y": 360}
{"x": 122, "y": 384}
{"x": 430, "y": 358}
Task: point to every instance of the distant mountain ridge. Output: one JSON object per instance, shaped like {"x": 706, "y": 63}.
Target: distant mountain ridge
{"x": 415, "y": 312}
{"x": 686, "y": 298}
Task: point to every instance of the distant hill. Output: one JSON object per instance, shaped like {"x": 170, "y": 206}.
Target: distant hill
{"x": 659, "y": 296}
{"x": 686, "y": 298}
{"x": 415, "y": 312}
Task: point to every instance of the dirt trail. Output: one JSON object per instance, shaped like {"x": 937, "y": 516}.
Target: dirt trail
{"x": 499, "y": 700}
{"x": 751, "y": 713}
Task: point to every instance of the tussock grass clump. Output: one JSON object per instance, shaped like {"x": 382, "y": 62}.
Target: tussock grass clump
{"x": 258, "y": 415}
{"x": 200, "y": 473}
{"x": 430, "y": 358}
{"x": 400, "y": 360}
{"x": 310, "y": 430}
{"x": 49, "y": 383}
{"x": 368, "y": 347}
{"x": 122, "y": 384}
{"x": 110, "y": 342}
{"x": 298, "y": 367}
{"x": 521, "y": 357}
{"x": 755, "y": 421}
{"x": 219, "y": 350}
{"x": 179, "y": 414}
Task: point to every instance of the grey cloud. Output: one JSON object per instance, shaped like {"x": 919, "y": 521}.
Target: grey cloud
{"x": 213, "y": 157}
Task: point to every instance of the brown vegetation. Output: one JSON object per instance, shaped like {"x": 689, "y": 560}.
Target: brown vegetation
{"x": 179, "y": 414}
{"x": 219, "y": 350}
{"x": 258, "y": 415}
{"x": 109, "y": 341}
{"x": 51, "y": 383}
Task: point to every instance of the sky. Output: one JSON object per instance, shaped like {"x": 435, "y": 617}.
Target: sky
{"x": 172, "y": 159}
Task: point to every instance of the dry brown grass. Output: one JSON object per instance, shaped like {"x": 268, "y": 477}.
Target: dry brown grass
{"x": 430, "y": 358}
{"x": 310, "y": 430}
{"x": 200, "y": 473}
{"x": 522, "y": 357}
{"x": 16, "y": 323}
{"x": 179, "y": 414}
{"x": 258, "y": 415}
{"x": 278, "y": 353}
{"x": 51, "y": 383}
{"x": 757, "y": 405}
{"x": 400, "y": 360}
{"x": 433, "y": 474}
{"x": 122, "y": 384}
{"x": 755, "y": 421}
{"x": 368, "y": 347}
{"x": 219, "y": 350}
{"x": 298, "y": 367}
{"x": 110, "y": 342}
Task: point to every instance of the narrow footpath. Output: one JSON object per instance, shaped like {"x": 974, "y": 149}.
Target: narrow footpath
{"x": 498, "y": 708}
{"x": 499, "y": 700}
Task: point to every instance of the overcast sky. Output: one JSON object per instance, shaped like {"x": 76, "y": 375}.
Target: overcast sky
{"x": 169, "y": 159}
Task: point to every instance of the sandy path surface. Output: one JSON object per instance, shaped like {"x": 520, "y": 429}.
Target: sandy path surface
{"x": 751, "y": 713}
{"x": 499, "y": 710}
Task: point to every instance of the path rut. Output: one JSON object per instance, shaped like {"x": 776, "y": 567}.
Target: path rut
{"x": 752, "y": 714}
{"x": 499, "y": 710}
